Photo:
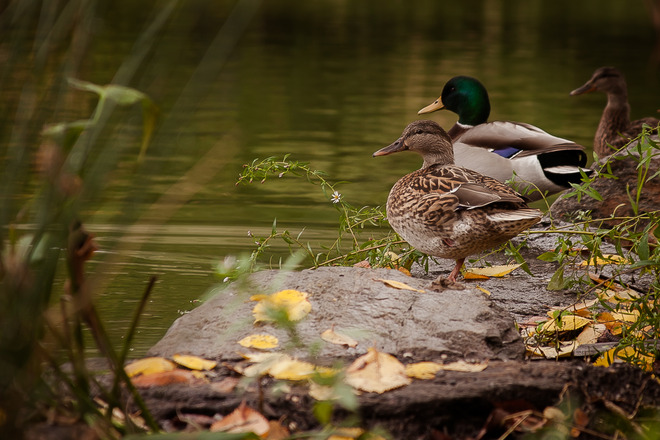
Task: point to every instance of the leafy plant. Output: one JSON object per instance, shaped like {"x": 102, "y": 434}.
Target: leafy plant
{"x": 379, "y": 250}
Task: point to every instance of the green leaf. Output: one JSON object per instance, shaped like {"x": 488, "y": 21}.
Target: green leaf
{"x": 557, "y": 281}
{"x": 323, "y": 411}
{"x": 548, "y": 256}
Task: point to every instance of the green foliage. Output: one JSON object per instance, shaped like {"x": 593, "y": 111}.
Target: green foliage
{"x": 380, "y": 249}
{"x": 30, "y": 262}
{"x": 635, "y": 249}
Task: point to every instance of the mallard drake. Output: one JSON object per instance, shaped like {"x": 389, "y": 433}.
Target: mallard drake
{"x": 449, "y": 211}
{"x": 501, "y": 149}
{"x": 615, "y": 128}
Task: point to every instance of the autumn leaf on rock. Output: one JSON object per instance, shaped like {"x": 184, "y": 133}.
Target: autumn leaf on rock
{"x": 478, "y": 273}
{"x": 399, "y": 285}
{"x": 564, "y": 324}
{"x": 337, "y": 338}
{"x": 166, "y": 378}
{"x": 591, "y": 333}
{"x": 261, "y": 342}
{"x": 610, "y": 356}
{"x": 284, "y": 367}
{"x": 428, "y": 370}
{"x": 376, "y": 372}
{"x": 149, "y": 365}
{"x": 291, "y": 302}
{"x": 606, "y": 259}
{"x": 423, "y": 370}
{"x": 243, "y": 419}
{"x": 194, "y": 362}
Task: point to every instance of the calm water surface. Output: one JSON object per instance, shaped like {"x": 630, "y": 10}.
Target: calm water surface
{"x": 329, "y": 82}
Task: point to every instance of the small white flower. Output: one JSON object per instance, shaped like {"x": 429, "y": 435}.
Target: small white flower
{"x": 336, "y": 197}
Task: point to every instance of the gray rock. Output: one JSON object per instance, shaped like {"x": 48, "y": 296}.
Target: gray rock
{"x": 418, "y": 326}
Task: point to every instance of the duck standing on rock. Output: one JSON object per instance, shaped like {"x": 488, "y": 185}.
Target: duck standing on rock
{"x": 615, "y": 128}
{"x": 448, "y": 211}
{"x": 501, "y": 149}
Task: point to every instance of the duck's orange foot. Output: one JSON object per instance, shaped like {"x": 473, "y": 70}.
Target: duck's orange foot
{"x": 440, "y": 284}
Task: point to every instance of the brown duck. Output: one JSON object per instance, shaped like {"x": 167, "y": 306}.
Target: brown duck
{"x": 449, "y": 211}
{"x": 615, "y": 127}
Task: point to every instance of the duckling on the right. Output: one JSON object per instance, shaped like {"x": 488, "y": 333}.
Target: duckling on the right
{"x": 615, "y": 128}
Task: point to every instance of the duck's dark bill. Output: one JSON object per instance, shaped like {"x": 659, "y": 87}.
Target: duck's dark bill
{"x": 397, "y": 146}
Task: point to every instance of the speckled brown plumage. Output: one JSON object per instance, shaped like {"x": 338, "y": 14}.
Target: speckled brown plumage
{"x": 448, "y": 211}
{"x": 615, "y": 127}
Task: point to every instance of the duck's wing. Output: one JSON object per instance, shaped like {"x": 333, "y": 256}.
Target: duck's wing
{"x": 472, "y": 189}
{"x": 514, "y": 139}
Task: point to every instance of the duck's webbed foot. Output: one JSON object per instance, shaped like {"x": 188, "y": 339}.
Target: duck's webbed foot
{"x": 441, "y": 283}
{"x": 450, "y": 282}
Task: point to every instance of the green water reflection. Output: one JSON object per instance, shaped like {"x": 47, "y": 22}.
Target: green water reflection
{"x": 329, "y": 82}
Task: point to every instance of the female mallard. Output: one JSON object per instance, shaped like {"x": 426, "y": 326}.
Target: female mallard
{"x": 501, "y": 149}
{"x": 449, "y": 211}
{"x": 615, "y": 127}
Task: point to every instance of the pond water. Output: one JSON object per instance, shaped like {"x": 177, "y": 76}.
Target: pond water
{"x": 329, "y": 82}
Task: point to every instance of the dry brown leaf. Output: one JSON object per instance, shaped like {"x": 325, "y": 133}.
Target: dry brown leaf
{"x": 260, "y": 341}
{"x": 582, "y": 305}
{"x": 165, "y": 378}
{"x": 492, "y": 271}
{"x": 363, "y": 264}
{"x": 277, "y": 431}
{"x": 580, "y": 420}
{"x": 242, "y": 419}
{"x": 293, "y": 302}
{"x": 404, "y": 271}
{"x": 590, "y": 334}
{"x": 194, "y": 362}
{"x": 338, "y": 339}
{"x": 376, "y": 372}
{"x": 226, "y": 385}
{"x": 149, "y": 365}
{"x": 399, "y": 285}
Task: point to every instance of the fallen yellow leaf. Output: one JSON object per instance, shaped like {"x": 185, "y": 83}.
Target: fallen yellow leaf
{"x": 194, "y": 362}
{"x": 566, "y": 323}
{"x": 423, "y": 370}
{"x": 606, "y": 259}
{"x": 292, "y": 369}
{"x": 399, "y": 285}
{"x": 282, "y": 366}
{"x": 473, "y": 276}
{"x": 376, "y": 372}
{"x": 293, "y": 302}
{"x": 464, "y": 366}
{"x": 492, "y": 271}
{"x": 428, "y": 370}
{"x": 337, "y": 338}
{"x": 149, "y": 365}
{"x": 261, "y": 341}
{"x": 487, "y": 292}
